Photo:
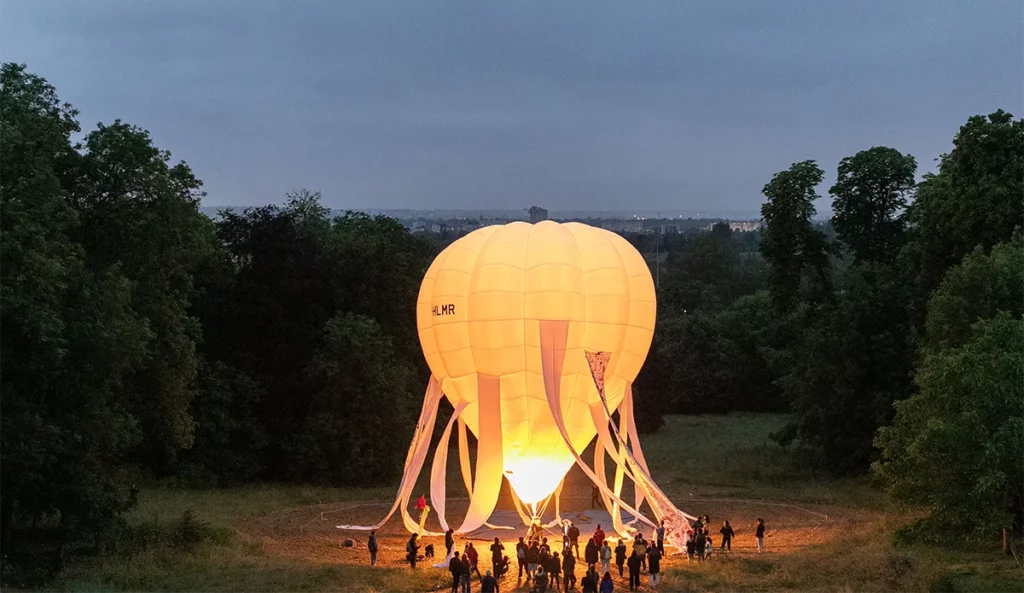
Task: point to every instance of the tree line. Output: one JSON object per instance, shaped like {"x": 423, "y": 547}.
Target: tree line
{"x": 892, "y": 332}
{"x": 141, "y": 338}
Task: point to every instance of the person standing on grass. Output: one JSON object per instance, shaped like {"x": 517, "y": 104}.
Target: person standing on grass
{"x": 371, "y": 545}
{"x": 691, "y": 547}
{"x": 590, "y": 553}
{"x": 708, "y": 548}
{"x": 659, "y": 535}
{"x": 455, "y": 567}
{"x": 727, "y": 534}
{"x": 489, "y": 584}
{"x": 640, "y": 547}
{"x": 521, "y": 549}
{"x": 553, "y": 566}
{"x": 599, "y": 536}
{"x": 574, "y": 538}
{"x": 449, "y": 541}
{"x": 633, "y": 564}
{"x": 496, "y": 550}
{"x": 606, "y": 557}
{"x": 620, "y": 554}
{"x": 411, "y": 549}
{"x": 595, "y": 497}
{"x": 654, "y": 562}
{"x": 759, "y": 534}
{"x": 607, "y": 584}
{"x": 568, "y": 570}
{"x": 532, "y": 559}
{"x": 467, "y": 573}
{"x": 587, "y": 584}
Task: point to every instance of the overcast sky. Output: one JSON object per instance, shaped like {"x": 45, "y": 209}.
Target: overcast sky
{"x": 597, "y": 106}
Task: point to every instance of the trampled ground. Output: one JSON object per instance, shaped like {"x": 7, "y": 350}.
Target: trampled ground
{"x": 824, "y": 534}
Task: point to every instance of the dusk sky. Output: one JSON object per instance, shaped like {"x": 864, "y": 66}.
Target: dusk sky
{"x": 675, "y": 106}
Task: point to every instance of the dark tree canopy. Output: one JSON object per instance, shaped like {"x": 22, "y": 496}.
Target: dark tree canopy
{"x": 974, "y": 199}
{"x": 790, "y": 243}
{"x": 870, "y": 194}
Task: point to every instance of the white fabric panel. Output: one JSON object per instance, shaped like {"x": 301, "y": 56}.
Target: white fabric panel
{"x": 413, "y": 461}
{"x": 440, "y": 467}
{"x": 552, "y": 339}
{"x": 489, "y": 459}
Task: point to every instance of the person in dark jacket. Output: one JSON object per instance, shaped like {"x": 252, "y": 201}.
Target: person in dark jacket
{"x": 496, "y": 549}
{"x": 727, "y": 533}
{"x": 607, "y": 585}
{"x": 587, "y": 584}
{"x": 532, "y": 560}
{"x": 449, "y": 541}
{"x": 654, "y": 565}
{"x": 759, "y": 534}
{"x": 574, "y": 539}
{"x": 633, "y": 564}
{"x": 411, "y": 549}
{"x": 467, "y": 573}
{"x": 488, "y": 584}
{"x": 455, "y": 567}
{"x": 371, "y": 545}
{"x": 699, "y": 544}
{"x": 521, "y": 549}
{"x": 691, "y": 548}
{"x": 620, "y": 555}
{"x": 568, "y": 570}
{"x": 553, "y": 566}
{"x": 591, "y": 552}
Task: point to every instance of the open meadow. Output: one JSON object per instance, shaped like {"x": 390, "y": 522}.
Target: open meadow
{"x": 824, "y": 534}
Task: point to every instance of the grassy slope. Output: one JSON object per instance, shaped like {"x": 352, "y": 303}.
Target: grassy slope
{"x": 701, "y": 462}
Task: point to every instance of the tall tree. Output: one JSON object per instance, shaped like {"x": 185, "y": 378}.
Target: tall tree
{"x": 790, "y": 243}
{"x": 974, "y": 199}
{"x": 980, "y": 286}
{"x": 955, "y": 445}
{"x": 70, "y": 336}
{"x": 870, "y": 194}
{"x": 140, "y": 214}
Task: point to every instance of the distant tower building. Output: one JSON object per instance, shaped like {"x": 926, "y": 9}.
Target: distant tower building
{"x": 537, "y": 214}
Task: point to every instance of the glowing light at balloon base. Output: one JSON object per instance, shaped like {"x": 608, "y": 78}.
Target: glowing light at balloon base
{"x": 535, "y": 334}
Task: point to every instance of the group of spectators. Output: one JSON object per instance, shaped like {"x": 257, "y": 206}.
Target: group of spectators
{"x": 544, "y": 567}
{"x": 700, "y": 545}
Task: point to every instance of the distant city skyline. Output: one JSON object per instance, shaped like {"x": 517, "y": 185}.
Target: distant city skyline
{"x": 660, "y": 106}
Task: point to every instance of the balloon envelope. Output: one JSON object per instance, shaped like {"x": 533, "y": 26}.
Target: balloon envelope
{"x": 478, "y": 314}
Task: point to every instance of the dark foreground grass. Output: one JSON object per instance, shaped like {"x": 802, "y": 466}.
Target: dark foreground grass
{"x": 695, "y": 459}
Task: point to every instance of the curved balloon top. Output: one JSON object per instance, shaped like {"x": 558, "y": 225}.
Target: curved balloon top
{"x": 479, "y": 312}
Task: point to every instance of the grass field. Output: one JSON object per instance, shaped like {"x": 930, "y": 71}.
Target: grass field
{"x": 825, "y": 534}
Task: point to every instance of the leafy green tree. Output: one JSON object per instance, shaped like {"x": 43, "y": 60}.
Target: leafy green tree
{"x": 70, "y": 336}
{"x": 870, "y": 195}
{"x": 229, "y": 439}
{"x": 850, "y": 361}
{"x": 714, "y": 363}
{"x": 790, "y": 243}
{"x": 955, "y": 445}
{"x": 974, "y": 199}
{"x": 976, "y": 289}
{"x": 362, "y": 393}
{"x": 140, "y": 214}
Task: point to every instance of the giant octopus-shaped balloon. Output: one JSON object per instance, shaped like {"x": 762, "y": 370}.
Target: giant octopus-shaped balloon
{"x": 535, "y": 334}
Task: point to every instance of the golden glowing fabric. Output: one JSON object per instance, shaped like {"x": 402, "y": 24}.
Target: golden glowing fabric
{"x": 478, "y": 313}
{"x": 535, "y": 334}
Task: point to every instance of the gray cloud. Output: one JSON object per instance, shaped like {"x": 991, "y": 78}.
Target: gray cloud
{"x": 673, "y": 106}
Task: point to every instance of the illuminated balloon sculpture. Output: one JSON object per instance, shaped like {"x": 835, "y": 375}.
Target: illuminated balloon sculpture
{"x": 535, "y": 334}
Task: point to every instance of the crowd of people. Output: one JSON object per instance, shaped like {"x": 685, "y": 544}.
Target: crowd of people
{"x": 544, "y": 567}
